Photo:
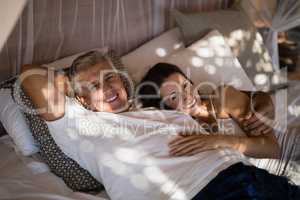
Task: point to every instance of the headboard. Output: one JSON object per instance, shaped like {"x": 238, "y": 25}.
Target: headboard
{"x": 48, "y": 30}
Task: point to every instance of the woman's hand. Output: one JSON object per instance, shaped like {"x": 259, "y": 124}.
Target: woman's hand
{"x": 261, "y": 119}
{"x": 258, "y": 124}
{"x": 190, "y": 145}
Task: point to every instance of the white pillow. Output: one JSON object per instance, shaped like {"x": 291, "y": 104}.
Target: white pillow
{"x": 211, "y": 60}
{"x": 139, "y": 61}
{"x": 15, "y": 125}
{"x": 67, "y": 61}
{"x": 239, "y": 32}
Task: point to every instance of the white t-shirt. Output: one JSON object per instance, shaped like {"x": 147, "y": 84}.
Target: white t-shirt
{"x": 128, "y": 152}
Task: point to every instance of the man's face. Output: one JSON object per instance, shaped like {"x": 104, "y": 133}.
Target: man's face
{"x": 101, "y": 89}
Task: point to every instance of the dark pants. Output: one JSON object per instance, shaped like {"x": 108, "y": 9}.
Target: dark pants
{"x": 242, "y": 182}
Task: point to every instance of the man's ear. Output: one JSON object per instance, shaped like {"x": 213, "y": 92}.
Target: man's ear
{"x": 68, "y": 87}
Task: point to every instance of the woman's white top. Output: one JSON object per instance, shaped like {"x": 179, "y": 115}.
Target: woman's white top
{"x": 128, "y": 152}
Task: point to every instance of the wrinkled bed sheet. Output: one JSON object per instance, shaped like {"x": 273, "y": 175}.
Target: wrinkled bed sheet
{"x": 28, "y": 178}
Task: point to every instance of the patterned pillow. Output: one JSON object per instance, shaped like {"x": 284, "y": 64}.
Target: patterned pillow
{"x": 75, "y": 177}
{"x": 6, "y": 84}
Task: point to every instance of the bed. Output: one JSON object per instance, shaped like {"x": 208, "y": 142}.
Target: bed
{"x": 28, "y": 177}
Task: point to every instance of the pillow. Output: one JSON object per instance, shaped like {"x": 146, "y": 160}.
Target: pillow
{"x": 209, "y": 62}
{"x": 5, "y": 84}
{"x": 75, "y": 177}
{"x": 143, "y": 58}
{"x": 67, "y": 61}
{"x": 240, "y": 34}
{"x": 15, "y": 125}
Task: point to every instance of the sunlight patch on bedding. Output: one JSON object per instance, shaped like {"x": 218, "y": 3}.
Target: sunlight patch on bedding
{"x": 259, "y": 39}
{"x": 217, "y": 40}
{"x": 205, "y": 52}
{"x": 128, "y": 155}
{"x": 203, "y": 43}
{"x": 177, "y": 46}
{"x": 238, "y": 34}
{"x": 87, "y": 127}
{"x": 210, "y": 69}
{"x": 155, "y": 175}
{"x": 238, "y": 39}
{"x": 236, "y": 82}
{"x": 179, "y": 194}
{"x": 87, "y": 146}
{"x": 266, "y": 56}
{"x": 275, "y": 79}
{"x": 267, "y": 67}
{"x": 219, "y": 61}
{"x": 139, "y": 181}
{"x": 256, "y": 48}
{"x": 116, "y": 166}
{"x": 161, "y": 52}
{"x": 72, "y": 134}
{"x": 197, "y": 62}
{"x": 232, "y": 41}
{"x": 294, "y": 110}
{"x": 260, "y": 79}
{"x": 221, "y": 51}
{"x": 257, "y": 44}
{"x": 261, "y": 66}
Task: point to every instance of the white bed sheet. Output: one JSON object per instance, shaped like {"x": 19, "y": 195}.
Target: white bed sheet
{"x": 28, "y": 178}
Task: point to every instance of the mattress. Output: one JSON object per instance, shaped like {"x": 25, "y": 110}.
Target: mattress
{"x": 29, "y": 178}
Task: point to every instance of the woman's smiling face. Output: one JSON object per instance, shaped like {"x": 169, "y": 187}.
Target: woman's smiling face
{"x": 177, "y": 93}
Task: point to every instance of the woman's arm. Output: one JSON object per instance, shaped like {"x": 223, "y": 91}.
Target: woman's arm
{"x": 231, "y": 102}
{"x": 263, "y": 146}
{"x": 262, "y": 117}
{"x": 253, "y": 111}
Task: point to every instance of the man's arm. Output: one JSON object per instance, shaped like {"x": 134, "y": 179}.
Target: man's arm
{"x": 46, "y": 90}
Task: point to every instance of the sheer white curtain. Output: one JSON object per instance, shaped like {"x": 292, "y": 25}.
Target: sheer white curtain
{"x": 50, "y": 29}
{"x": 277, "y": 16}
